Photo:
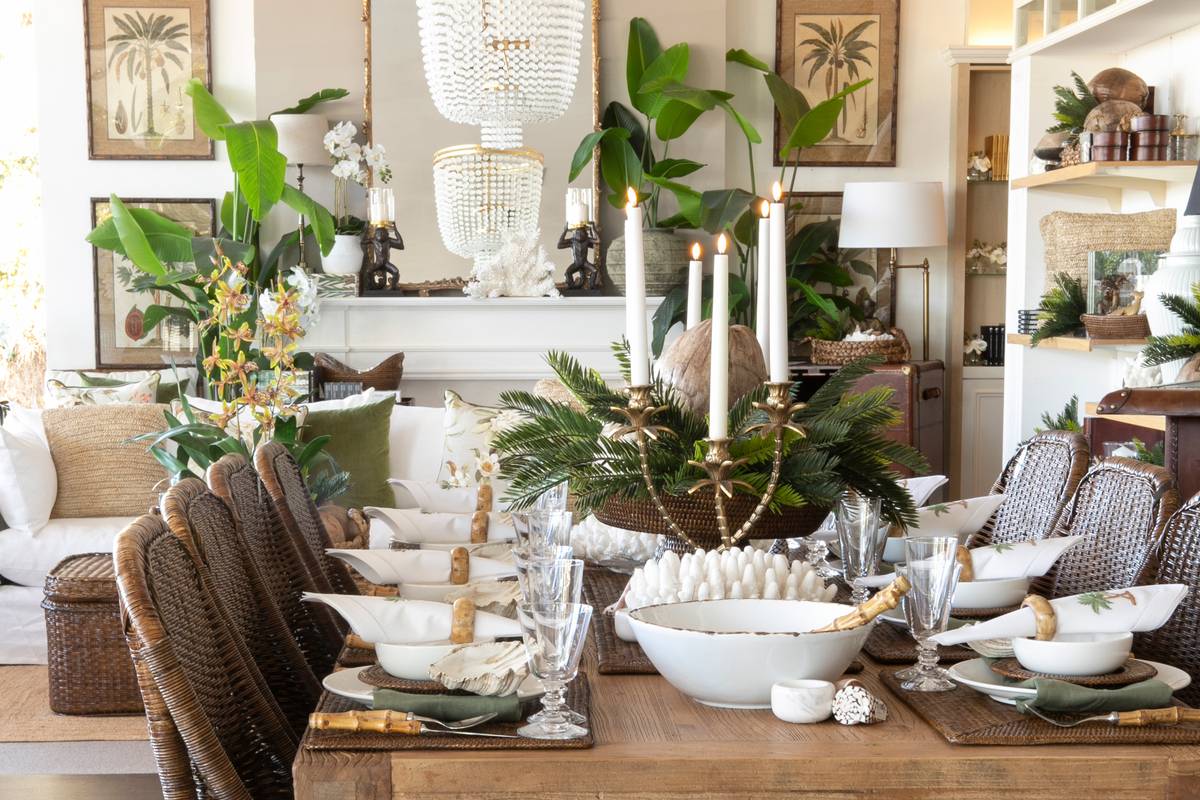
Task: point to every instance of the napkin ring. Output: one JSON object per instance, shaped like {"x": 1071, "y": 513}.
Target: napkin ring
{"x": 460, "y": 566}
{"x": 483, "y": 499}
{"x": 462, "y": 621}
{"x": 1043, "y": 613}
{"x": 479, "y": 527}
{"x": 967, "y": 573}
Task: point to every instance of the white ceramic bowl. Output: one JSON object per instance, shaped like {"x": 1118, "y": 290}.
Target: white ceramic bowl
{"x": 622, "y": 627}
{"x": 410, "y": 661}
{"x": 1074, "y": 653}
{"x": 999, "y": 593}
{"x": 893, "y": 550}
{"x": 731, "y": 652}
{"x": 802, "y": 701}
{"x": 957, "y": 518}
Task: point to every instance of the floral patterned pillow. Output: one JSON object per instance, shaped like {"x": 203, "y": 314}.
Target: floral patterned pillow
{"x": 468, "y": 457}
{"x": 59, "y": 395}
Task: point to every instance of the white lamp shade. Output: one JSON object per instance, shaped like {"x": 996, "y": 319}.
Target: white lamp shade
{"x": 302, "y": 137}
{"x": 893, "y": 214}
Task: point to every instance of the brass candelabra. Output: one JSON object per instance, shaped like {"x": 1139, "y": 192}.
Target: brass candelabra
{"x": 718, "y": 462}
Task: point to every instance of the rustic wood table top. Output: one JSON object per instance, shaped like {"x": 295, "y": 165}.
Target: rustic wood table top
{"x": 654, "y": 743}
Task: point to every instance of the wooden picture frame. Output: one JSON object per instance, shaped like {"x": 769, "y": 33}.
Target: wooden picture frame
{"x": 820, "y": 206}
{"x": 136, "y": 105}
{"x": 868, "y": 31}
{"x": 115, "y": 303}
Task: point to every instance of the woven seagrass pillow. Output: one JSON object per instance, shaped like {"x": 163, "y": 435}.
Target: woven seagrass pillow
{"x": 100, "y": 472}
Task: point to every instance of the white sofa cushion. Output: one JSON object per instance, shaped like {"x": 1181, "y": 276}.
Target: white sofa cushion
{"x": 415, "y": 441}
{"x": 22, "y": 625}
{"x": 28, "y": 480}
{"x": 27, "y": 556}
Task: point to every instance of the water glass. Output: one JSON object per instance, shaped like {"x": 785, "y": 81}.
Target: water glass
{"x": 538, "y": 532}
{"x": 553, "y": 499}
{"x": 931, "y": 566}
{"x": 553, "y": 579}
{"x": 554, "y": 636}
{"x": 861, "y": 538}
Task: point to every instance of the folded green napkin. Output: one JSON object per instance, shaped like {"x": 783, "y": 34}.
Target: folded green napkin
{"x": 447, "y": 707}
{"x": 1070, "y": 698}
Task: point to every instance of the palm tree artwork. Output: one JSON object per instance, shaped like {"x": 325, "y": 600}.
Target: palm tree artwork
{"x": 141, "y": 52}
{"x": 841, "y": 57}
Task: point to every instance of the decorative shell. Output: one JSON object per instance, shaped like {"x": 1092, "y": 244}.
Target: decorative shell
{"x": 494, "y": 597}
{"x": 493, "y": 669}
{"x": 685, "y": 365}
{"x": 1115, "y": 83}
{"x": 1111, "y": 115}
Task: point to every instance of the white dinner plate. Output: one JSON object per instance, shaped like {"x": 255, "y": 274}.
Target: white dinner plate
{"x": 346, "y": 683}
{"x": 895, "y": 616}
{"x": 977, "y": 675}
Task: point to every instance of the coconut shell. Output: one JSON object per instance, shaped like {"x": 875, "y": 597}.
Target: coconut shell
{"x": 685, "y": 365}
{"x": 343, "y": 531}
{"x": 1115, "y": 83}
{"x": 1111, "y": 115}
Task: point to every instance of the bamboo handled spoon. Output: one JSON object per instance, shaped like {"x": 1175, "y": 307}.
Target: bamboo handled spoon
{"x": 1175, "y": 715}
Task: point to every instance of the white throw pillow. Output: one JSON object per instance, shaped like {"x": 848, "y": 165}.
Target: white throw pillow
{"x": 28, "y": 480}
{"x": 469, "y": 457}
{"x": 59, "y": 395}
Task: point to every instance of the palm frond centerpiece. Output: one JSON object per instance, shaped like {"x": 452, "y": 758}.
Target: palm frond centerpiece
{"x": 834, "y": 441}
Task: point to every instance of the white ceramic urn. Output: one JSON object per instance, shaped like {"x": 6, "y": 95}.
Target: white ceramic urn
{"x": 1177, "y": 272}
{"x": 346, "y": 257}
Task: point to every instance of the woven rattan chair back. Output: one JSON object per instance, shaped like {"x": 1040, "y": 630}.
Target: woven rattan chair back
{"x": 318, "y": 632}
{"x": 204, "y": 522}
{"x": 1120, "y": 509}
{"x": 285, "y": 484}
{"x": 1177, "y": 560}
{"x": 238, "y": 744}
{"x": 1037, "y": 482}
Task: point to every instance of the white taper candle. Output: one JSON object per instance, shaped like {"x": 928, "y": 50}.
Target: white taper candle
{"x": 635, "y": 294}
{"x": 718, "y": 380}
{"x": 695, "y": 287}
{"x": 762, "y": 283}
{"x": 778, "y": 300}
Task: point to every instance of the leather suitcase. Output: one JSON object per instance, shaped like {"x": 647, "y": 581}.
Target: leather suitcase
{"x": 919, "y": 393}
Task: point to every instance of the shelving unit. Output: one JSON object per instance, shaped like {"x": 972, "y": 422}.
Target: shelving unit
{"x": 1078, "y": 344}
{"x": 1114, "y": 26}
{"x": 1115, "y": 174}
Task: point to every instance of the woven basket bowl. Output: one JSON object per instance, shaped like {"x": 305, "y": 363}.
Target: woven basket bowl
{"x": 696, "y": 515}
{"x": 1107, "y": 326}
{"x": 894, "y": 351}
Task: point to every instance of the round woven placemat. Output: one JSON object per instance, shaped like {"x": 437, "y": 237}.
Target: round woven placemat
{"x": 375, "y": 676}
{"x": 1132, "y": 671}
{"x": 980, "y": 613}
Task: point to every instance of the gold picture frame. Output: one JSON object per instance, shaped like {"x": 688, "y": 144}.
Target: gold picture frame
{"x": 140, "y": 54}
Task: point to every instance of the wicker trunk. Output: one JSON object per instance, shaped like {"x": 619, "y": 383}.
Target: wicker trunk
{"x": 89, "y": 665}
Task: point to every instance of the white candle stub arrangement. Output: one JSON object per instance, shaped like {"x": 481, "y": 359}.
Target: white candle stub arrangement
{"x": 730, "y": 574}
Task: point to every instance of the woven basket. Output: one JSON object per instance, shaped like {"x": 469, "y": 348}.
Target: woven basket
{"x": 894, "y": 351}
{"x": 1069, "y": 237}
{"x": 1112, "y": 326}
{"x": 696, "y": 515}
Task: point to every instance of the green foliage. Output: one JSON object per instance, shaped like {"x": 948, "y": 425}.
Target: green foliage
{"x": 845, "y": 444}
{"x": 1071, "y": 106}
{"x": 1164, "y": 349}
{"x": 1067, "y": 419}
{"x": 315, "y": 99}
{"x": 1151, "y": 455}
{"x": 1060, "y": 309}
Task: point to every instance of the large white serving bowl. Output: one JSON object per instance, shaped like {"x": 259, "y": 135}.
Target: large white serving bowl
{"x": 1074, "y": 653}
{"x": 998, "y": 593}
{"x": 730, "y": 653}
{"x": 410, "y": 661}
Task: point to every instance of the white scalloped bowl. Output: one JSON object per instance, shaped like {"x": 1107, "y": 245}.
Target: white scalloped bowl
{"x": 729, "y": 653}
{"x": 997, "y": 593}
{"x": 411, "y": 661}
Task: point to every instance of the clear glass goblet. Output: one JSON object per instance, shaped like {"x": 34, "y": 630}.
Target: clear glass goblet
{"x": 538, "y": 532}
{"x": 554, "y": 579}
{"x": 554, "y": 636}
{"x": 931, "y": 566}
{"x": 861, "y": 539}
{"x": 553, "y": 499}
{"x": 816, "y": 553}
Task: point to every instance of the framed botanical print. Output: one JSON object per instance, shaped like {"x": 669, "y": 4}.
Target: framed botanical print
{"x": 122, "y": 339}
{"x": 140, "y": 56}
{"x": 823, "y": 46}
{"x": 868, "y": 269}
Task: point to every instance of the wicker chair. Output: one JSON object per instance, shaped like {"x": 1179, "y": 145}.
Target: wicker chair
{"x": 285, "y": 484}
{"x": 216, "y": 731}
{"x": 1177, "y": 560}
{"x": 317, "y": 630}
{"x": 205, "y": 523}
{"x": 1120, "y": 509}
{"x": 1037, "y": 483}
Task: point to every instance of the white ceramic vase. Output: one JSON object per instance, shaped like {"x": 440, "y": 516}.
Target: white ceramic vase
{"x": 1177, "y": 272}
{"x": 346, "y": 256}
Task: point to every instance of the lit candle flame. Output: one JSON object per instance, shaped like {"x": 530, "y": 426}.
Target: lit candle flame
{"x": 765, "y": 209}
{"x": 777, "y": 191}
{"x": 722, "y": 244}
{"x": 696, "y": 251}
{"x": 631, "y": 195}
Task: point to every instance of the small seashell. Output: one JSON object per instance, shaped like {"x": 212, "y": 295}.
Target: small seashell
{"x": 492, "y": 669}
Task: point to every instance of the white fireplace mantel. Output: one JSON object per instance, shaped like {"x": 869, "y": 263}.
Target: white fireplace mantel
{"x": 478, "y": 347}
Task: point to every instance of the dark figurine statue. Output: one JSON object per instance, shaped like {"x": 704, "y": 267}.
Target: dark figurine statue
{"x": 582, "y": 274}
{"x": 381, "y": 273}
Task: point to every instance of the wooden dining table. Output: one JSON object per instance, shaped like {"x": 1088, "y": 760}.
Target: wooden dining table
{"x": 653, "y": 742}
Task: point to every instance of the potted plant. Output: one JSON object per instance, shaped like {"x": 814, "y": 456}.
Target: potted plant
{"x": 355, "y": 163}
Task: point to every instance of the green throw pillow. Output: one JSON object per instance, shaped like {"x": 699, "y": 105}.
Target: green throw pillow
{"x": 359, "y": 443}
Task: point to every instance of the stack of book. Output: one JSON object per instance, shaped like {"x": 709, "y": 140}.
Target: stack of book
{"x": 993, "y": 335}
{"x": 996, "y": 147}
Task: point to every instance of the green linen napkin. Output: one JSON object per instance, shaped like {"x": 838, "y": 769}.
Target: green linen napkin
{"x": 1070, "y": 698}
{"x": 447, "y": 707}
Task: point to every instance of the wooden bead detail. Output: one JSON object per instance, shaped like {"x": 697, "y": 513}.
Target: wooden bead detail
{"x": 462, "y": 621}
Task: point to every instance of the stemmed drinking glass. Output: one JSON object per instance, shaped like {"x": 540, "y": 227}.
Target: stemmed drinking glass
{"x": 553, "y": 499}
{"x": 540, "y": 531}
{"x": 861, "y": 538}
{"x": 932, "y": 568}
{"x": 816, "y": 551}
{"x": 554, "y": 636}
{"x": 554, "y": 578}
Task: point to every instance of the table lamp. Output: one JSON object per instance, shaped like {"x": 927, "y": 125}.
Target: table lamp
{"x": 302, "y": 141}
{"x": 895, "y": 214}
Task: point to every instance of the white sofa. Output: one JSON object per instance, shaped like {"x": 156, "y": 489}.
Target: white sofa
{"x": 415, "y": 450}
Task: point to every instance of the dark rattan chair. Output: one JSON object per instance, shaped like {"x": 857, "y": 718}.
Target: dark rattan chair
{"x": 217, "y": 732}
{"x": 1120, "y": 508}
{"x": 285, "y": 484}
{"x": 1177, "y": 560}
{"x": 205, "y": 523}
{"x": 1037, "y": 482}
{"x": 317, "y": 630}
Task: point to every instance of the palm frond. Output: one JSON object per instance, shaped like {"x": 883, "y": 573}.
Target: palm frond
{"x": 1067, "y": 419}
{"x": 1060, "y": 309}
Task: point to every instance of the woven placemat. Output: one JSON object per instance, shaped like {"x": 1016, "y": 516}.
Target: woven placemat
{"x": 377, "y": 677}
{"x": 965, "y": 716}
{"x": 1132, "y": 671}
{"x": 579, "y": 698}
{"x": 355, "y": 657}
{"x": 614, "y": 656}
{"x": 889, "y": 644}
